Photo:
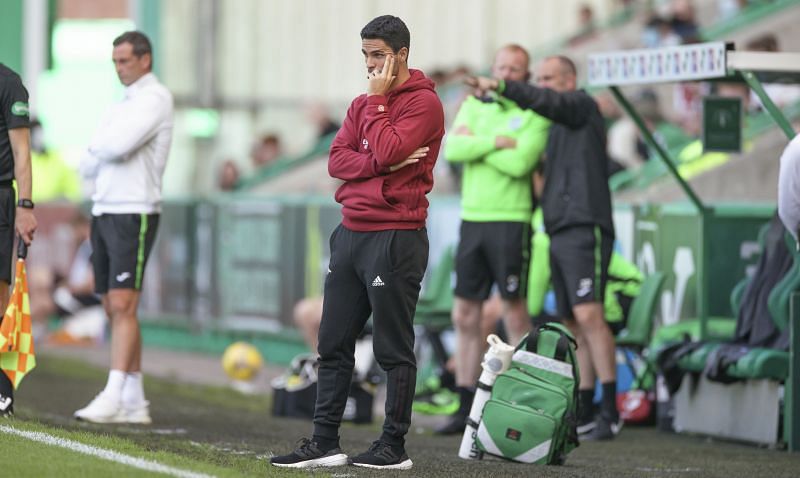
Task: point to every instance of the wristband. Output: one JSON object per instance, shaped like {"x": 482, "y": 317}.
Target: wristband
{"x": 501, "y": 87}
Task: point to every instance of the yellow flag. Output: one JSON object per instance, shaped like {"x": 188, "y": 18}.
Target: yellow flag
{"x": 16, "y": 340}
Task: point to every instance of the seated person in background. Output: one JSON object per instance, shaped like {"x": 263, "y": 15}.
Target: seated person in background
{"x": 307, "y": 315}
{"x": 228, "y": 175}
{"x": 266, "y": 150}
{"x": 74, "y": 298}
{"x": 317, "y": 114}
{"x": 587, "y": 28}
{"x": 782, "y": 94}
{"x": 77, "y": 291}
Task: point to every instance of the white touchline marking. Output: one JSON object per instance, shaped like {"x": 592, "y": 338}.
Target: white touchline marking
{"x": 110, "y": 455}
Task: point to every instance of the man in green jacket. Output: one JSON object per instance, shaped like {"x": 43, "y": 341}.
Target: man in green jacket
{"x": 499, "y": 145}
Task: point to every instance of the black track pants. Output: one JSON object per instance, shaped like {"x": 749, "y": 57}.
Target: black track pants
{"x": 378, "y": 273}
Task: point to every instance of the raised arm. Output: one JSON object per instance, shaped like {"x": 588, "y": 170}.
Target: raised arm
{"x": 571, "y": 108}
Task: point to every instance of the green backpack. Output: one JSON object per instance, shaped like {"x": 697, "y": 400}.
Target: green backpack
{"x": 531, "y": 416}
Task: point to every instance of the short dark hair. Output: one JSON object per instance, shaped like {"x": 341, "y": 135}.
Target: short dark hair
{"x": 139, "y": 41}
{"x": 567, "y": 65}
{"x": 390, "y": 29}
{"x": 270, "y": 140}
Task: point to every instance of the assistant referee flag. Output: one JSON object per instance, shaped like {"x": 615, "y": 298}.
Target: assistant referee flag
{"x": 16, "y": 340}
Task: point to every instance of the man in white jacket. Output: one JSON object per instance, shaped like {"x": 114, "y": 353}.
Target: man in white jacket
{"x": 126, "y": 158}
{"x": 789, "y": 187}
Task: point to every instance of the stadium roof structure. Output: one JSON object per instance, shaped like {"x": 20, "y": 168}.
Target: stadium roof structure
{"x": 703, "y": 61}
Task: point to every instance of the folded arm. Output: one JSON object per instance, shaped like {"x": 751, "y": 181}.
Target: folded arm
{"x": 347, "y": 161}
{"x": 394, "y": 142}
{"x": 133, "y": 123}
{"x": 520, "y": 161}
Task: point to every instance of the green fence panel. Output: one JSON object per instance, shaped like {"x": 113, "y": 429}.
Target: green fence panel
{"x": 680, "y": 254}
{"x": 168, "y": 284}
{"x": 732, "y": 249}
{"x": 669, "y": 238}
{"x": 252, "y": 237}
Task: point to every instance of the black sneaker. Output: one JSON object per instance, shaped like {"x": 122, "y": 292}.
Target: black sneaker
{"x": 384, "y": 456}
{"x": 457, "y": 424}
{"x": 6, "y": 396}
{"x": 308, "y": 454}
{"x": 586, "y": 426}
{"x": 605, "y": 429}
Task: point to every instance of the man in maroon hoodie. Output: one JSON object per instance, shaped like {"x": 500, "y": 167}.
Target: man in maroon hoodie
{"x": 384, "y": 152}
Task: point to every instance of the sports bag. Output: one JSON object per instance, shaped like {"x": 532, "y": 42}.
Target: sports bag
{"x": 531, "y": 416}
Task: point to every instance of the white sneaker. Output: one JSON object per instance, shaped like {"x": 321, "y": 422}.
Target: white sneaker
{"x": 137, "y": 413}
{"x": 103, "y": 409}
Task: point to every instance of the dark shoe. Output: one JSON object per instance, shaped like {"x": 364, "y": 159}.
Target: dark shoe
{"x": 586, "y": 426}
{"x": 6, "y": 396}
{"x": 384, "y": 456}
{"x": 308, "y": 454}
{"x": 454, "y": 426}
{"x": 604, "y": 429}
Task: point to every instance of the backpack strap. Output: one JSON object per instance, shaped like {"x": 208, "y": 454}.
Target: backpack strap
{"x": 563, "y": 353}
{"x": 562, "y": 346}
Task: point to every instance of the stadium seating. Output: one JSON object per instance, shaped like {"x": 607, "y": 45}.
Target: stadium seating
{"x": 436, "y": 301}
{"x": 759, "y": 362}
{"x": 435, "y": 305}
{"x": 639, "y": 327}
{"x": 760, "y": 373}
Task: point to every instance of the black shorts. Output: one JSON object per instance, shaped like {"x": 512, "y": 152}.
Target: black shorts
{"x": 120, "y": 246}
{"x": 493, "y": 253}
{"x": 579, "y": 258}
{"x": 8, "y": 212}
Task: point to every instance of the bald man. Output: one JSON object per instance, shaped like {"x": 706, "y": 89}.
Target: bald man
{"x": 499, "y": 145}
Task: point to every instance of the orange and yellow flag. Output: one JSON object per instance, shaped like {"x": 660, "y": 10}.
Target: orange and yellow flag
{"x": 16, "y": 341}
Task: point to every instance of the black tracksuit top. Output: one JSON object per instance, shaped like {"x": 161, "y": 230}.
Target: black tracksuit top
{"x": 576, "y": 189}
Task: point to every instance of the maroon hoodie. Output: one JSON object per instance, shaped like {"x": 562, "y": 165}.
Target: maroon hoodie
{"x": 379, "y": 132}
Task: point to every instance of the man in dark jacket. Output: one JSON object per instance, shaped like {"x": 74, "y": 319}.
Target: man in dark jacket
{"x": 577, "y": 215}
{"x": 384, "y": 152}
{"x": 16, "y": 215}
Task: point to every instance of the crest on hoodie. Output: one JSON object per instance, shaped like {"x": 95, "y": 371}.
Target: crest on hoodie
{"x": 365, "y": 143}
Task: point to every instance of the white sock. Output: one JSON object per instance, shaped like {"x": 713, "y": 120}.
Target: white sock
{"x": 116, "y": 380}
{"x": 133, "y": 390}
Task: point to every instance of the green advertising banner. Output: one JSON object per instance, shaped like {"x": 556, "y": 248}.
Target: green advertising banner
{"x": 670, "y": 238}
